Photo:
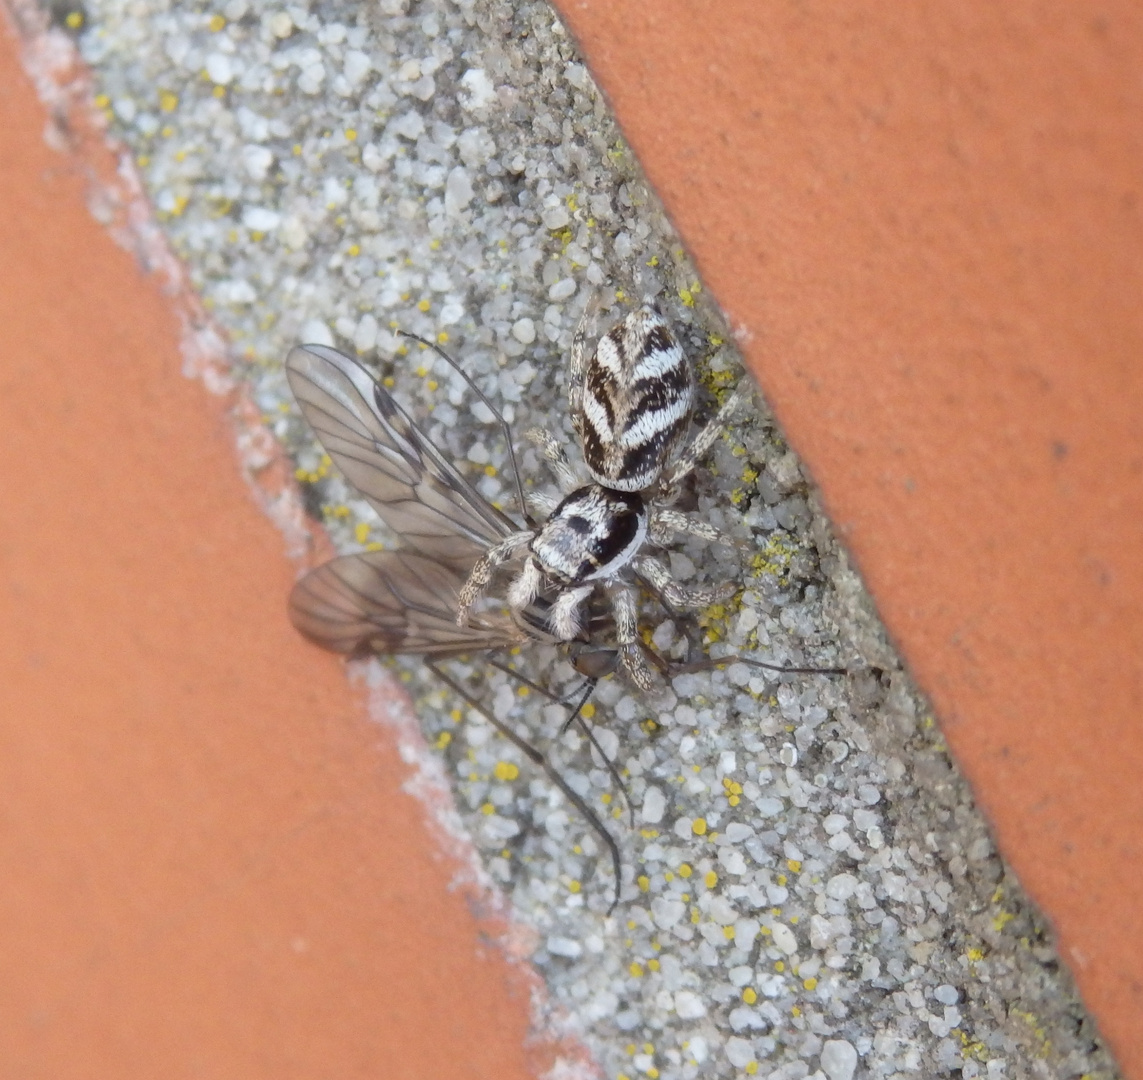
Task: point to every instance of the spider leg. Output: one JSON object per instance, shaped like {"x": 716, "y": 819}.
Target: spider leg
{"x": 526, "y": 586}
{"x": 564, "y": 617}
{"x": 623, "y": 601}
{"x": 577, "y": 368}
{"x": 555, "y": 456}
{"x": 705, "y": 439}
{"x": 482, "y": 572}
{"x": 676, "y": 595}
{"x": 666, "y": 523}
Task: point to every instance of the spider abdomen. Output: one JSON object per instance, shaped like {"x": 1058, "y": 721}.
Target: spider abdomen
{"x": 635, "y": 402}
{"x": 591, "y": 535}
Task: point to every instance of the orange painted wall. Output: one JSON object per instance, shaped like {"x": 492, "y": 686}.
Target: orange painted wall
{"x": 925, "y": 222}
{"x": 204, "y": 870}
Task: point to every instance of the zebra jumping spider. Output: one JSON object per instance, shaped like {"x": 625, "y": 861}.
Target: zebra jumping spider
{"x": 630, "y": 404}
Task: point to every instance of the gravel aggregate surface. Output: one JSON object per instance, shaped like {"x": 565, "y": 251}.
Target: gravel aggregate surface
{"x": 808, "y": 890}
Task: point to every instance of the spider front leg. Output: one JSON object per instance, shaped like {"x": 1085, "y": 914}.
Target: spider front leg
{"x": 667, "y": 523}
{"x": 676, "y": 595}
{"x": 577, "y": 368}
{"x": 705, "y": 439}
{"x": 624, "y": 604}
{"x": 481, "y": 575}
{"x": 556, "y": 458}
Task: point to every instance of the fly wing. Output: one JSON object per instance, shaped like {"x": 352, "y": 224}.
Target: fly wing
{"x": 387, "y": 458}
{"x": 388, "y": 602}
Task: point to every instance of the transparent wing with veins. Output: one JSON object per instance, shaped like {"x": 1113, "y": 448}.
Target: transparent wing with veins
{"x": 417, "y": 492}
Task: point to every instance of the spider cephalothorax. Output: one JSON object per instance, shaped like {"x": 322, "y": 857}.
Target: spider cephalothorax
{"x": 630, "y": 405}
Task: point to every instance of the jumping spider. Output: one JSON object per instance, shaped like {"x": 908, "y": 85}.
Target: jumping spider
{"x": 630, "y": 404}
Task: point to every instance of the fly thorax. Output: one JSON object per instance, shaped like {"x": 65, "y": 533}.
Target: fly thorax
{"x": 591, "y": 535}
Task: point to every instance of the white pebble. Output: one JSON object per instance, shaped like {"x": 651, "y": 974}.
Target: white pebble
{"x": 841, "y": 886}
{"x": 219, "y": 69}
{"x": 654, "y": 803}
{"x": 689, "y": 1005}
{"x": 562, "y": 946}
{"x": 261, "y": 219}
{"x": 281, "y": 25}
{"x": 524, "y": 331}
{"x": 365, "y": 337}
{"x": 839, "y": 1059}
{"x": 562, "y": 290}
{"x": 737, "y": 831}
{"x": 946, "y": 994}
{"x": 458, "y": 191}
{"x": 784, "y": 938}
{"x": 667, "y": 913}
{"x": 476, "y": 89}
{"x": 556, "y": 217}
{"x": 698, "y": 1049}
{"x": 256, "y": 160}
{"x": 739, "y": 1052}
{"x": 315, "y": 332}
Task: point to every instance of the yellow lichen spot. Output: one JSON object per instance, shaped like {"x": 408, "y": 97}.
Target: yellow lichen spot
{"x": 1002, "y": 920}
{"x": 74, "y": 20}
{"x": 750, "y": 995}
{"x": 751, "y": 1068}
{"x": 523, "y": 691}
{"x": 653, "y": 260}
{"x": 696, "y": 916}
{"x": 488, "y": 809}
{"x": 649, "y": 834}
{"x": 623, "y": 1076}
{"x": 143, "y": 161}
{"x": 102, "y": 101}
{"x": 653, "y": 964}
{"x": 795, "y": 1011}
{"x": 975, "y": 955}
{"x": 574, "y": 886}
{"x": 652, "y": 1072}
{"x": 434, "y": 243}
{"x": 442, "y": 338}
{"x": 644, "y": 882}
{"x": 219, "y": 91}
{"x": 167, "y": 131}
{"x": 710, "y": 880}
{"x": 620, "y": 294}
{"x": 781, "y": 879}
{"x": 168, "y": 101}
{"x": 432, "y": 385}
{"x": 685, "y": 871}
{"x": 489, "y": 470}
{"x": 780, "y": 966}
{"x": 301, "y": 475}
{"x": 217, "y": 22}
{"x": 443, "y": 739}
{"x": 765, "y": 931}
{"x": 795, "y": 865}
{"x": 605, "y": 798}
{"x": 687, "y": 297}
{"x": 728, "y": 933}
{"x": 354, "y": 250}
{"x": 588, "y": 711}
{"x": 636, "y": 969}
{"x": 351, "y": 134}
{"x": 424, "y": 305}
{"x": 795, "y": 919}
{"x": 506, "y": 770}
{"x": 810, "y": 983}
{"x": 361, "y": 532}
{"x": 668, "y": 876}
{"x": 698, "y": 826}
{"x": 180, "y": 205}
{"x": 734, "y": 800}
{"x": 577, "y": 849}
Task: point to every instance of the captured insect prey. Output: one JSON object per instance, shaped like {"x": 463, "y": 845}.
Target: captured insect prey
{"x": 469, "y": 580}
